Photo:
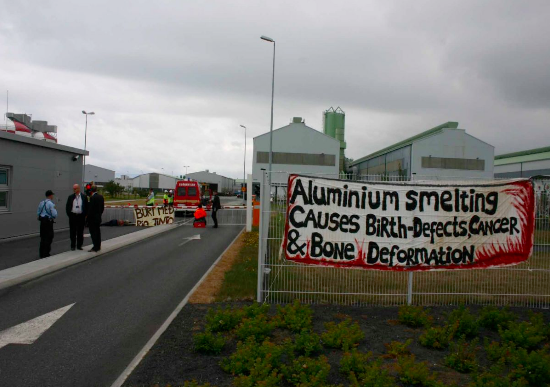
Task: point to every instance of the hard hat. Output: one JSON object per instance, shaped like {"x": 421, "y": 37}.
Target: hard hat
{"x": 171, "y": 191}
{"x": 165, "y": 190}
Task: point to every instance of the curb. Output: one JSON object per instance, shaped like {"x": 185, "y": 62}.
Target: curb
{"x": 32, "y": 270}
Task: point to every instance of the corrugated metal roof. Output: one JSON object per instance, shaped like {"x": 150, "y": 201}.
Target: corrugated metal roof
{"x": 523, "y": 156}
{"x": 408, "y": 141}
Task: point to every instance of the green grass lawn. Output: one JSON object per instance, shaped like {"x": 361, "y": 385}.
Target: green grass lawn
{"x": 240, "y": 281}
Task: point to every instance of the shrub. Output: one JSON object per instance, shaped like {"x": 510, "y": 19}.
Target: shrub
{"x": 303, "y": 370}
{"x": 261, "y": 374}
{"x": 307, "y": 343}
{"x": 354, "y": 362}
{"x": 257, "y": 327}
{"x": 414, "y": 373}
{"x": 414, "y": 316}
{"x": 465, "y": 322}
{"x": 526, "y": 334}
{"x": 256, "y": 309}
{"x": 194, "y": 383}
{"x": 344, "y": 335}
{"x": 498, "y": 352}
{"x": 295, "y": 317}
{"x": 491, "y": 318}
{"x": 374, "y": 375}
{"x": 397, "y": 348}
{"x": 208, "y": 343}
{"x": 243, "y": 360}
{"x": 223, "y": 319}
{"x": 462, "y": 357}
{"x": 534, "y": 367}
{"x": 438, "y": 337}
{"x": 493, "y": 378}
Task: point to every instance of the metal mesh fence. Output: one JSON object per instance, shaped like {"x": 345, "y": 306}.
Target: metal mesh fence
{"x": 281, "y": 281}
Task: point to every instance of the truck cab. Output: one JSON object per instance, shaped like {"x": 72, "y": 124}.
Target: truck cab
{"x": 191, "y": 193}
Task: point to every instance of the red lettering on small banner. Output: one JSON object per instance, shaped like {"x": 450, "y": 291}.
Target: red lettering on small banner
{"x": 408, "y": 226}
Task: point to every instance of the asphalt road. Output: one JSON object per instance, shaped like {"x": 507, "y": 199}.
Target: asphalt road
{"x": 121, "y": 299}
{"x": 25, "y": 250}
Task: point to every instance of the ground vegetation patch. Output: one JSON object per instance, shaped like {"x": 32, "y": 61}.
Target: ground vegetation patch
{"x": 250, "y": 344}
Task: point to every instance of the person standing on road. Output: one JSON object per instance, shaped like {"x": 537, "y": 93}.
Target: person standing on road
{"x": 216, "y": 205}
{"x": 171, "y": 198}
{"x": 97, "y": 205}
{"x": 46, "y": 215}
{"x": 165, "y": 198}
{"x": 76, "y": 208}
{"x": 151, "y": 198}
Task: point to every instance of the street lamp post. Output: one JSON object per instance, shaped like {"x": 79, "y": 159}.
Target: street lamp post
{"x": 85, "y": 138}
{"x": 271, "y": 127}
{"x": 186, "y": 166}
{"x": 244, "y": 163}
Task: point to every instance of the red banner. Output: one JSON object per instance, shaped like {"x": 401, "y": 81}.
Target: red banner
{"x": 408, "y": 226}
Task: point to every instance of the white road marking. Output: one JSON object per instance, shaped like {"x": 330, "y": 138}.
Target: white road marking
{"x": 28, "y": 332}
{"x": 194, "y": 237}
{"x": 87, "y": 235}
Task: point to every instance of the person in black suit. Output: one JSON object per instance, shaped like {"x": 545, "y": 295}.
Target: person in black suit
{"x": 95, "y": 210}
{"x": 216, "y": 206}
{"x": 76, "y": 209}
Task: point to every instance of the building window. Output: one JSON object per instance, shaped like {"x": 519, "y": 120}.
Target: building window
{"x": 4, "y": 189}
{"x": 297, "y": 158}
{"x": 453, "y": 163}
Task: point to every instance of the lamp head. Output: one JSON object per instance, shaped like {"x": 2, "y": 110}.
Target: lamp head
{"x": 267, "y": 39}
{"x": 242, "y": 126}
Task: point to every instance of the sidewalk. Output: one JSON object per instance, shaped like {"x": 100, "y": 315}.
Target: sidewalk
{"x": 21, "y": 251}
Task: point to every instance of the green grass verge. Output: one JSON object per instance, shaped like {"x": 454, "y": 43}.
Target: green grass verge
{"x": 241, "y": 280}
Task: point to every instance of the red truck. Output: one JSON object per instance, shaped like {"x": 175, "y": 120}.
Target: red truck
{"x": 191, "y": 193}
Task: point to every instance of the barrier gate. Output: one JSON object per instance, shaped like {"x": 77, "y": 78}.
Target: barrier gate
{"x": 282, "y": 281}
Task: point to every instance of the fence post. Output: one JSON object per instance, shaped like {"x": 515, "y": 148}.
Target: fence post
{"x": 261, "y": 241}
{"x": 410, "y": 288}
{"x": 249, "y": 203}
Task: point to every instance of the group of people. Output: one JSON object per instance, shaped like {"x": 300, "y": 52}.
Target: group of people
{"x": 200, "y": 213}
{"x": 167, "y": 201}
{"x": 80, "y": 212}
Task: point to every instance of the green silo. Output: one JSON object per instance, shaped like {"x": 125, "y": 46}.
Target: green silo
{"x": 334, "y": 123}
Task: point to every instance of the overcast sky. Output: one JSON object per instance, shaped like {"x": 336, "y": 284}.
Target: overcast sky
{"x": 171, "y": 81}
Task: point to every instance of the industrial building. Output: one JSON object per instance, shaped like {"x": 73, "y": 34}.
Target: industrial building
{"x": 216, "y": 182}
{"x": 100, "y": 176}
{"x": 28, "y": 168}
{"x": 297, "y": 148}
{"x": 126, "y": 181}
{"x": 443, "y": 152}
{"x": 155, "y": 181}
{"x": 526, "y": 163}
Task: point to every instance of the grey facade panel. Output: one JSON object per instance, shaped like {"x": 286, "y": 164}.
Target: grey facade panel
{"x": 35, "y": 169}
{"x": 511, "y": 175}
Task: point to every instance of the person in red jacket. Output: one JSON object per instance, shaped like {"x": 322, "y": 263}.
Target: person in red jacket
{"x": 200, "y": 214}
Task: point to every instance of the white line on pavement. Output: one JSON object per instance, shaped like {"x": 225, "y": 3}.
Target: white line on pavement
{"x": 28, "y": 332}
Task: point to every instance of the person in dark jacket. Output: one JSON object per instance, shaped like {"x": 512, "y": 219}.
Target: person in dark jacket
{"x": 216, "y": 206}
{"x": 76, "y": 209}
{"x": 95, "y": 210}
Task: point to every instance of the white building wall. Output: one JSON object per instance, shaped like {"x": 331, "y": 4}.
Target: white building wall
{"x": 295, "y": 138}
{"x": 141, "y": 181}
{"x": 98, "y": 174}
{"x": 167, "y": 182}
{"x": 224, "y": 183}
{"x": 452, "y": 143}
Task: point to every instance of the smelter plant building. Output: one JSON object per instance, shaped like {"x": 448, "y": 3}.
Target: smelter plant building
{"x": 297, "y": 148}
{"x": 441, "y": 153}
